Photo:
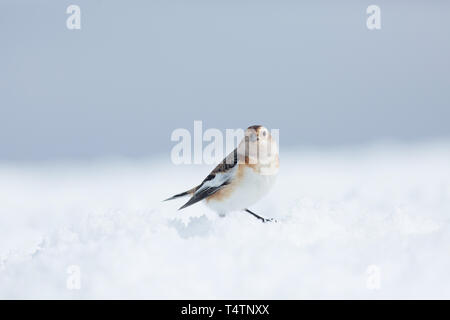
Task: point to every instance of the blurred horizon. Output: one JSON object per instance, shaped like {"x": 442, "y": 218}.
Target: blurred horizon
{"x": 138, "y": 70}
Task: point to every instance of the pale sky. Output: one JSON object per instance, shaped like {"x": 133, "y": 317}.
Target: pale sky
{"x": 137, "y": 70}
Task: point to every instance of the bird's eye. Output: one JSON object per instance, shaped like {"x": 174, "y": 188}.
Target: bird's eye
{"x": 264, "y": 133}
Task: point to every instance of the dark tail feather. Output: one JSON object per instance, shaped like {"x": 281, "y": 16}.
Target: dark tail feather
{"x": 199, "y": 196}
{"x": 177, "y": 196}
{"x": 183, "y": 194}
{"x": 191, "y": 201}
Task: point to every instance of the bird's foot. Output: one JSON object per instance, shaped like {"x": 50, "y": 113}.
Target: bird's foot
{"x": 270, "y": 220}
{"x": 264, "y": 220}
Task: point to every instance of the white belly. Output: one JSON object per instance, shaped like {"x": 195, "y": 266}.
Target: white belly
{"x": 251, "y": 188}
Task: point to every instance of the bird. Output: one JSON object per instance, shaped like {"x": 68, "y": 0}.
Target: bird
{"x": 242, "y": 178}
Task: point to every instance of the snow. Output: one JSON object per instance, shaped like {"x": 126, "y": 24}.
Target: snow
{"x": 341, "y": 214}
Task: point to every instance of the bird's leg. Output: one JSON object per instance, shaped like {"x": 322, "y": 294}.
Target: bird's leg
{"x": 259, "y": 217}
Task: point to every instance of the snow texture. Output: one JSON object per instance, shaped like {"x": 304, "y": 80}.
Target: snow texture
{"x": 369, "y": 222}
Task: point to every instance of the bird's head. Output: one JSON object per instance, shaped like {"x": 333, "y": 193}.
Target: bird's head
{"x": 258, "y": 147}
{"x": 257, "y": 133}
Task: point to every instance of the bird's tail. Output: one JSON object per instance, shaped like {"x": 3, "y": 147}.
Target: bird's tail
{"x": 183, "y": 194}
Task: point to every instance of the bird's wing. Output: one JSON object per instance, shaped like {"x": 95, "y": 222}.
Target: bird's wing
{"x": 216, "y": 180}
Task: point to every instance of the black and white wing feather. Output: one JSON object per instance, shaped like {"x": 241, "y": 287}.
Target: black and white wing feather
{"x": 216, "y": 180}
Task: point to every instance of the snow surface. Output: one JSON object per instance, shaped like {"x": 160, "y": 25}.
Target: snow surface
{"x": 339, "y": 212}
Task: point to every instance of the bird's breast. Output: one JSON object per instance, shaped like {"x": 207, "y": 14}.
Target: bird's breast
{"x": 246, "y": 188}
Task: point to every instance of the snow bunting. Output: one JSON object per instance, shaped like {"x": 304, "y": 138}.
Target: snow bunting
{"x": 242, "y": 178}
